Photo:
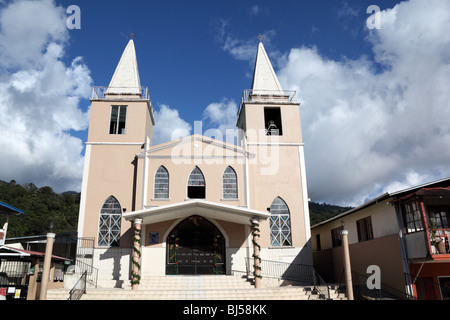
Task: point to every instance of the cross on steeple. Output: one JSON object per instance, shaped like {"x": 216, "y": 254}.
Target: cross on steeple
{"x": 260, "y": 37}
{"x": 132, "y": 35}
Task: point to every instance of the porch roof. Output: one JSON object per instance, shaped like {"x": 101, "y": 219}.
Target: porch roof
{"x": 204, "y": 208}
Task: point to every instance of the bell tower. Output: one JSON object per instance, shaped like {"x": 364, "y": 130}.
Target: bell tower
{"x": 120, "y": 127}
{"x": 270, "y": 131}
{"x": 267, "y": 107}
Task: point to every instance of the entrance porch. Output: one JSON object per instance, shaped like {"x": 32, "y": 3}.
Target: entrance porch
{"x": 194, "y": 237}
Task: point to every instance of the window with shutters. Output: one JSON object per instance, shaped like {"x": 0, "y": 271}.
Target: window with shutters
{"x": 364, "y": 229}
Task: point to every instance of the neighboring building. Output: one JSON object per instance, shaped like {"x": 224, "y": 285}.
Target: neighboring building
{"x": 64, "y": 245}
{"x": 404, "y": 233}
{"x": 20, "y": 269}
{"x": 193, "y": 197}
{"x": 5, "y": 211}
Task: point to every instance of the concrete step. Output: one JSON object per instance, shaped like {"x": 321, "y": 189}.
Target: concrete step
{"x": 200, "y": 288}
{"x": 195, "y": 282}
{"x": 58, "y": 294}
{"x": 282, "y": 293}
{"x": 293, "y": 293}
{"x": 185, "y": 282}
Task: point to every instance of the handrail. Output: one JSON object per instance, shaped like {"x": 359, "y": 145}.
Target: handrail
{"x": 90, "y": 271}
{"x": 321, "y": 283}
{"x": 300, "y": 273}
{"x": 384, "y": 292}
{"x": 75, "y": 293}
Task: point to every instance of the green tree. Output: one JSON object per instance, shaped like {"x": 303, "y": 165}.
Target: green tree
{"x": 42, "y": 206}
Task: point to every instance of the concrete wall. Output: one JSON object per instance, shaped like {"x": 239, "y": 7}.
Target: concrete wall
{"x": 383, "y": 250}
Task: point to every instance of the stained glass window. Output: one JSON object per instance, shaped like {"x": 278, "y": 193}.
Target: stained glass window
{"x": 110, "y": 221}
{"x": 161, "y": 183}
{"x": 196, "y": 178}
{"x": 196, "y": 185}
{"x": 229, "y": 184}
{"x": 280, "y": 224}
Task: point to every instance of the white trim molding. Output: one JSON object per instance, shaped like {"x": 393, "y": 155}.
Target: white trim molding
{"x": 301, "y": 154}
{"x": 81, "y": 215}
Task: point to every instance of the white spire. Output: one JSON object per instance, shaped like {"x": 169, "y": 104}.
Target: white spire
{"x": 126, "y": 77}
{"x": 264, "y": 77}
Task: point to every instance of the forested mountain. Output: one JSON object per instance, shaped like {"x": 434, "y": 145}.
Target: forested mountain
{"x": 319, "y": 212}
{"x": 42, "y": 206}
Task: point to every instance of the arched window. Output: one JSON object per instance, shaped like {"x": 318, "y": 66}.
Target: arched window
{"x": 229, "y": 184}
{"x": 196, "y": 184}
{"x": 109, "y": 226}
{"x": 280, "y": 224}
{"x": 161, "y": 183}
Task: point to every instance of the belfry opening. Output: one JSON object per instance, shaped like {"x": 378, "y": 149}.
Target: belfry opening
{"x": 195, "y": 246}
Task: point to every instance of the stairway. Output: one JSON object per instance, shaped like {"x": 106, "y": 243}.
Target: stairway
{"x": 198, "y": 288}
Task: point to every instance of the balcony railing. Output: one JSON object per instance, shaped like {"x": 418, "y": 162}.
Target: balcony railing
{"x": 266, "y": 95}
{"x": 439, "y": 241}
{"x": 139, "y": 93}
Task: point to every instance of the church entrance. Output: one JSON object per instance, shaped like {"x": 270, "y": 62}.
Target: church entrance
{"x": 195, "y": 246}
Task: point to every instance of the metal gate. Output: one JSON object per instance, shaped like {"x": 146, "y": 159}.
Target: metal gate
{"x": 195, "y": 261}
{"x": 195, "y": 246}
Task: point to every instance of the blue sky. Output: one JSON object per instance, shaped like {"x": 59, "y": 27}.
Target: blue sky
{"x": 180, "y": 43}
{"x": 373, "y": 102}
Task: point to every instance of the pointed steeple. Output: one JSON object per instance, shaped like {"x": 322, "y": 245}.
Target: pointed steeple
{"x": 264, "y": 77}
{"x": 126, "y": 77}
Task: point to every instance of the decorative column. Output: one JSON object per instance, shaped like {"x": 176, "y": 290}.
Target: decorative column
{"x": 347, "y": 265}
{"x": 256, "y": 252}
{"x": 47, "y": 262}
{"x": 136, "y": 255}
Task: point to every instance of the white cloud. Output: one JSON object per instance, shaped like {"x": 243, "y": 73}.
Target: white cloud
{"x": 40, "y": 97}
{"x": 345, "y": 10}
{"x": 368, "y": 128}
{"x": 169, "y": 125}
{"x": 27, "y": 28}
{"x": 219, "y": 121}
{"x": 221, "y": 115}
{"x": 255, "y": 10}
{"x": 240, "y": 49}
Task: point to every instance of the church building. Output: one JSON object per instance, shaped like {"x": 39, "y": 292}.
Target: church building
{"x": 194, "y": 205}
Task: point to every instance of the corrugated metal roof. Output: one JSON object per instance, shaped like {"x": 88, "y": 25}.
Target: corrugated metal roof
{"x": 385, "y": 196}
